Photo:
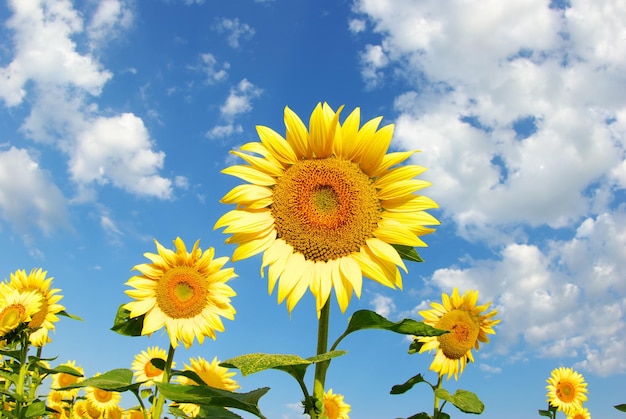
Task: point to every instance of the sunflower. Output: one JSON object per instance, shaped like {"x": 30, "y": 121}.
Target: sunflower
{"x": 102, "y": 400}
{"x": 63, "y": 379}
{"x": 334, "y": 406}
{"x": 468, "y": 326}
{"x": 143, "y": 368}
{"x": 212, "y": 374}
{"x": 566, "y": 390}
{"x": 16, "y": 307}
{"x": 326, "y": 206}
{"x": 579, "y": 414}
{"x": 184, "y": 291}
{"x": 45, "y": 318}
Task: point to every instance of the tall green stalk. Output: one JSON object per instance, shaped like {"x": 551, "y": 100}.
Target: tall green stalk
{"x": 158, "y": 406}
{"x": 322, "y": 348}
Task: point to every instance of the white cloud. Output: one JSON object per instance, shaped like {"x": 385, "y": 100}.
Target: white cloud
{"x": 373, "y": 60}
{"x": 239, "y": 99}
{"x": 211, "y": 69}
{"x": 383, "y": 305}
{"x": 356, "y": 25}
{"x": 235, "y": 30}
{"x": 110, "y": 17}
{"x": 223, "y": 131}
{"x": 28, "y": 196}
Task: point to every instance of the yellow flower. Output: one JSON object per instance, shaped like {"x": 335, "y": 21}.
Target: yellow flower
{"x": 579, "y": 414}
{"x": 102, "y": 400}
{"x": 143, "y": 368}
{"x": 212, "y": 374}
{"x": 45, "y": 318}
{"x": 325, "y": 206}
{"x": 184, "y": 291}
{"x": 16, "y": 307}
{"x": 468, "y": 326}
{"x": 334, "y": 406}
{"x": 64, "y": 379}
{"x": 566, "y": 390}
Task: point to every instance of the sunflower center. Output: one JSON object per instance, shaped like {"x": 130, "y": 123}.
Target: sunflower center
{"x": 331, "y": 410}
{"x": 67, "y": 379}
{"x": 12, "y": 316}
{"x": 150, "y": 370}
{"x": 102, "y": 396}
{"x": 325, "y": 208}
{"x": 38, "y": 318}
{"x": 565, "y": 391}
{"x": 182, "y": 292}
{"x": 463, "y": 329}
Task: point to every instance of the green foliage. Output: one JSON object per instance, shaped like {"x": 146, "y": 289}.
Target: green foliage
{"x": 465, "y": 401}
{"x": 126, "y": 326}
{"x": 403, "y": 388}
{"x": 408, "y": 253}
{"x": 292, "y": 364}
{"x": 621, "y": 407}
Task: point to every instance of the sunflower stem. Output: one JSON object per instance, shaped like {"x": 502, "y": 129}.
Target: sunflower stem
{"x": 158, "y": 407}
{"x": 436, "y": 410}
{"x": 322, "y": 348}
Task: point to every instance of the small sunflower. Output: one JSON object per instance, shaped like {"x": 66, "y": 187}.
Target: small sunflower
{"x": 579, "y": 414}
{"x": 184, "y": 291}
{"x": 143, "y": 368}
{"x": 212, "y": 374}
{"x": 566, "y": 390}
{"x": 63, "y": 379}
{"x": 16, "y": 307}
{"x": 334, "y": 406}
{"x": 45, "y": 318}
{"x": 468, "y": 326}
{"x": 102, "y": 400}
{"x": 326, "y": 206}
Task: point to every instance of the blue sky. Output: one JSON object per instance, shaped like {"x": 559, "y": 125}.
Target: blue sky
{"x": 116, "y": 117}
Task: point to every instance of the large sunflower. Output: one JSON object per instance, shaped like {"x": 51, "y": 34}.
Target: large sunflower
{"x": 103, "y": 400}
{"x": 334, "y": 406}
{"x": 579, "y": 414}
{"x": 45, "y": 318}
{"x": 184, "y": 291}
{"x": 468, "y": 326}
{"x": 326, "y": 206}
{"x": 63, "y": 379}
{"x": 566, "y": 390}
{"x": 16, "y": 307}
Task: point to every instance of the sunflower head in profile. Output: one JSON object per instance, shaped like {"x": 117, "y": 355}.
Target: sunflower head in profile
{"x": 468, "y": 325}
{"x": 43, "y": 321}
{"x": 567, "y": 390}
{"x": 16, "y": 307}
{"x": 579, "y": 414}
{"x": 184, "y": 291}
{"x": 143, "y": 368}
{"x": 212, "y": 374}
{"x": 326, "y": 205}
{"x": 64, "y": 379}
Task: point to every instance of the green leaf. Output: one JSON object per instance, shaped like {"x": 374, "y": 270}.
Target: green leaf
{"x": 621, "y": 407}
{"x": 209, "y": 396}
{"x": 408, "y": 253}
{"x": 422, "y": 415}
{"x": 115, "y": 380}
{"x": 61, "y": 369}
{"x": 214, "y": 412}
{"x": 35, "y": 409}
{"x": 71, "y": 316}
{"x": 126, "y": 326}
{"x": 11, "y": 354}
{"x": 415, "y": 346}
{"x": 251, "y": 363}
{"x": 546, "y": 413}
{"x": 465, "y": 401}
{"x": 367, "y": 319}
{"x": 403, "y": 388}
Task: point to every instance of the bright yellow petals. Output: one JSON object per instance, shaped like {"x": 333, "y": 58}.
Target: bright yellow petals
{"x": 16, "y": 307}
{"x": 45, "y": 318}
{"x": 566, "y": 390}
{"x": 468, "y": 326}
{"x": 185, "y": 292}
{"x": 212, "y": 375}
{"x": 325, "y": 205}
{"x": 103, "y": 401}
{"x": 579, "y": 414}
{"x": 143, "y": 368}
{"x": 64, "y": 379}
{"x": 334, "y": 406}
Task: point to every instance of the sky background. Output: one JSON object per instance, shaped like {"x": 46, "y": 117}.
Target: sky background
{"x": 116, "y": 117}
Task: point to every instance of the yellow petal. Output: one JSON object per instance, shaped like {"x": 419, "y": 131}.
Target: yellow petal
{"x": 277, "y": 145}
{"x": 252, "y": 247}
{"x": 409, "y": 204}
{"x": 397, "y": 234}
{"x": 351, "y": 272}
{"x": 248, "y": 195}
{"x": 398, "y": 174}
{"x": 385, "y": 251}
{"x": 342, "y": 292}
{"x": 375, "y": 149}
{"x": 263, "y": 164}
{"x": 250, "y": 174}
{"x": 303, "y": 283}
{"x": 390, "y": 160}
{"x": 321, "y": 284}
{"x": 294, "y": 270}
{"x": 297, "y": 135}
{"x": 373, "y": 270}
{"x": 346, "y": 142}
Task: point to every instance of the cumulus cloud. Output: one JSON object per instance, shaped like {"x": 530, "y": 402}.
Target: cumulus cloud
{"x": 61, "y": 83}
{"x": 383, "y": 305}
{"x": 235, "y": 30}
{"x": 223, "y": 131}
{"x": 28, "y": 195}
{"x": 209, "y": 66}
{"x": 517, "y": 108}
{"x": 239, "y": 100}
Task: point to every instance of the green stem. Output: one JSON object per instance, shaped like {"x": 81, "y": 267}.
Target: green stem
{"x": 158, "y": 406}
{"x": 436, "y": 410}
{"x": 322, "y": 348}
{"x": 21, "y": 378}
